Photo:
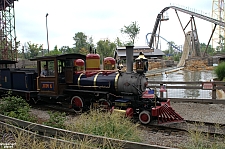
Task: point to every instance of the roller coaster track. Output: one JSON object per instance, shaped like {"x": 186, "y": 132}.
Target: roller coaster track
{"x": 166, "y": 41}
{"x": 186, "y": 49}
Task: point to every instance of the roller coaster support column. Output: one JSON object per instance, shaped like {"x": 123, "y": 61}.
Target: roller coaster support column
{"x": 209, "y": 40}
{"x": 183, "y": 29}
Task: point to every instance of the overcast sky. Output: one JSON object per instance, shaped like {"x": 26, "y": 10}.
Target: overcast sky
{"x": 102, "y": 19}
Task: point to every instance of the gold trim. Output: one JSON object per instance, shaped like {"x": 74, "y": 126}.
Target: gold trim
{"x": 78, "y": 80}
{"x": 95, "y": 78}
{"x": 116, "y": 82}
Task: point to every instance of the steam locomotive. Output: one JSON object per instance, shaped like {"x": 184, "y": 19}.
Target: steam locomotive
{"x": 78, "y": 81}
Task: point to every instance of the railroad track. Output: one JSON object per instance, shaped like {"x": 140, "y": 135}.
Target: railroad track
{"x": 182, "y": 126}
{"x": 50, "y": 131}
{"x": 189, "y": 125}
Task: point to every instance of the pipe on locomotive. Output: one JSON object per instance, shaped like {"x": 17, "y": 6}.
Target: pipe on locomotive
{"x": 129, "y": 58}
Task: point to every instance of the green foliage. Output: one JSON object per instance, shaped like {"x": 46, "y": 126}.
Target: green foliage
{"x": 177, "y": 57}
{"x": 56, "y": 51}
{"x": 106, "y": 124}
{"x": 220, "y": 71}
{"x": 16, "y": 107}
{"x": 83, "y": 51}
{"x": 118, "y": 42}
{"x": 209, "y": 51}
{"x": 131, "y": 30}
{"x": 80, "y": 41}
{"x": 170, "y": 47}
{"x": 32, "y": 51}
{"x": 106, "y": 48}
{"x": 66, "y": 49}
{"x": 57, "y": 120}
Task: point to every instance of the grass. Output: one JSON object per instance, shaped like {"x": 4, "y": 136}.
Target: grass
{"x": 25, "y": 140}
{"x": 109, "y": 125}
{"x": 95, "y": 122}
{"x": 200, "y": 140}
{"x": 105, "y": 124}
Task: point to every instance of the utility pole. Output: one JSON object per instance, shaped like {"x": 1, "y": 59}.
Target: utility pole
{"x": 47, "y": 31}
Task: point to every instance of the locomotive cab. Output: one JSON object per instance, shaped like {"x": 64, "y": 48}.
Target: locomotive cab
{"x": 60, "y": 72}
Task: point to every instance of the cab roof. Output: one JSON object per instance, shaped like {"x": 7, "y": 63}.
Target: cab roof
{"x": 62, "y": 57}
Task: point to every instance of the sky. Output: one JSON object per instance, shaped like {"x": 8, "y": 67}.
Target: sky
{"x": 103, "y": 19}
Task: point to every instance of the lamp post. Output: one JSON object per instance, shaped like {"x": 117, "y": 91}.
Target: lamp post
{"x": 47, "y": 31}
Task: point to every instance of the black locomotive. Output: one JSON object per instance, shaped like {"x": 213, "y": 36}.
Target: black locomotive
{"x": 77, "y": 80}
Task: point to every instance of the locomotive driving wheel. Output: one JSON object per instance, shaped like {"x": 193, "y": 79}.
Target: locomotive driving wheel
{"x": 77, "y": 104}
{"x": 104, "y": 104}
{"x": 145, "y": 117}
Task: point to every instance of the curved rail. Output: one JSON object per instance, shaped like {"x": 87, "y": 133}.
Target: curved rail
{"x": 209, "y": 19}
{"x": 75, "y": 135}
{"x": 165, "y": 40}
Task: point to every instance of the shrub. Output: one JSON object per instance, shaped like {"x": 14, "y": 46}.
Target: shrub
{"x": 16, "y": 107}
{"x": 56, "y": 119}
{"x": 106, "y": 124}
{"x": 220, "y": 71}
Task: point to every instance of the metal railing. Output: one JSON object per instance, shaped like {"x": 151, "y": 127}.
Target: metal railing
{"x": 189, "y": 91}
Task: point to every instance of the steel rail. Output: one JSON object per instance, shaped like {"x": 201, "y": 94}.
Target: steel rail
{"x": 76, "y": 135}
{"x": 35, "y": 135}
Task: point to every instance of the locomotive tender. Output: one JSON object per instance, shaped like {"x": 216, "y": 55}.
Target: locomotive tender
{"x": 77, "y": 80}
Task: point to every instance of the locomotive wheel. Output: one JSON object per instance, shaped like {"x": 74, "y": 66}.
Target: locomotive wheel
{"x": 77, "y": 104}
{"x": 104, "y": 104}
{"x": 129, "y": 112}
{"x": 145, "y": 117}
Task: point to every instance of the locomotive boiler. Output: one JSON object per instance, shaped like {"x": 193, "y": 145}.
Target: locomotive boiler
{"x": 115, "y": 81}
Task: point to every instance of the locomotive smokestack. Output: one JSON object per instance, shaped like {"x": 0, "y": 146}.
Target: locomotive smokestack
{"x": 129, "y": 58}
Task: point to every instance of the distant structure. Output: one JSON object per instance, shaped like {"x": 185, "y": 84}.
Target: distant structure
{"x": 120, "y": 53}
{"x": 218, "y": 14}
{"x": 8, "y": 48}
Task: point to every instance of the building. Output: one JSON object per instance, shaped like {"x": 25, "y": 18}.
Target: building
{"x": 120, "y": 53}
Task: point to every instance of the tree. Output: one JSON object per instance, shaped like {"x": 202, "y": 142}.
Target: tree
{"x": 210, "y": 50}
{"x": 170, "y": 47}
{"x": 56, "y": 51}
{"x": 66, "y": 49}
{"x": 131, "y": 30}
{"x": 90, "y": 43}
{"x": 222, "y": 44}
{"x": 80, "y": 41}
{"x": 105, "y": 48}
{"x": 118, "y": 42}
{"x": 32, "y": 51}
{"x": 83, "y": 51}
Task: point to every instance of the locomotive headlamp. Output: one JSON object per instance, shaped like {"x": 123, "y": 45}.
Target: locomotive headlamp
{"x": 141, "y": 56}
{"x": 141, "y": 63}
